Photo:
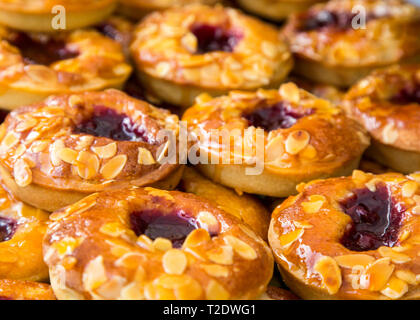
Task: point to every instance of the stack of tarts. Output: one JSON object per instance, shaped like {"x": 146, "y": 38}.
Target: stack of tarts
{"x": 97, "y": 200}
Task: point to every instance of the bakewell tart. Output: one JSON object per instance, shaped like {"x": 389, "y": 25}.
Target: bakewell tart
{"x": 387, "y": 104}
{"x": 183, "y": 52}
{"x": 146, "y": 243}
{"x": 337, "y": 43}
{"x": 25, "y": 290}
{"x": 38, "y": 15}
{"x": 276, "y": 10}
{"x": 294, "y": 135}
{"x": 34, "y": 66}
{"x": 246, "y": 208}
{"x": 276, "y": 293}
{"x": 138, "y": 9}
{"x": 22, "y": 229}
{"x": 352, "y": 237}
{"x": 54, "y": 153}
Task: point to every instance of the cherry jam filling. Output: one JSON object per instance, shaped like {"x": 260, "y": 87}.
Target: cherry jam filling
{"x": 109, "y": 30}
{"x": 3, "y": 115}
{"x": 277, "y": 116}
{"x": 7, "y": 228}
{"x": 407, "y": 95}
{"x": 152, "y": 223}
{"x": 376, "y": 219}
{"x": 213, "y": 38}
{"x": 43, "y": 51}
{"x": 108, "y": 123}
{"x": 329, "y": 19}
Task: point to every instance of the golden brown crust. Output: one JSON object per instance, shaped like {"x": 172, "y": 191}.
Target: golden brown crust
{"x": 39, "y": 146}
{"x": 244, "y": 207}
{"x": 45, "y": 6}
{"x": 319, "y": 144}
{"x": 25, "y": 290}
{"x": 306, "y": 231}
{"x": 346, "y": 54}
{"x": 21, "y": 255}
{"x": 93, "y": 252}
{"x": 275, "y": 293}
{"x": 164, "y": 48}
{"x": 98, "y": 65}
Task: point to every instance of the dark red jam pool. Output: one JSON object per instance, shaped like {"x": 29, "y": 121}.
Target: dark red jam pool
{"x": 277, "y": 116}
{"x": 110, "y": 31}
{"x": 108, "y": 123}
{"x": 43, "y": 51}
{"x": 175, "y": 226}
{"x": 3, "y": 115}
{"x": 376, "y": 219}
{"x": 214, "y": 38}
{"x": 407, "y": 95}
{"x": 330, "y": 19}
{"x": 7, "y": 228}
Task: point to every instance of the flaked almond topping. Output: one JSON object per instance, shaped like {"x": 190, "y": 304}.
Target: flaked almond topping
{"x": 353, "y": 260}
{"x": 114, "y": 166}
{"x": 145, "y": 242}
{"x": 396, "y": 257}
{"x": 207, "y": 220}
{"x": 174, "y": 261}
{"x": 75, "y": 100}
{"x": 162, "y": 244}
{"x": 286, "y": 240}
{"x": 241, "y": 248}
{"x": 216, "y": 270}
{"x": 215, "y": 291}
{"x": 132, "y": 291}
{"x": 22, "y": 173}
{"x": 189, "y": 41}
{"x": 269, "y": 49}
{"x": 87, "y": 165}
{"x": 389, "y": 134}
{"x": 395, "y": 288}
{"x": 290, "y": 92}
{"x": 221, "y": 255}
{"x": 107, "y": 151}
{"x": 416, "y": 210}
{"x": 297, "y": 141}
{"x": 94, "y": 274}
{"x": 20, "y": 150}
{"x": 54, "y": 150}
{"x": 67, "y": 245}
{"x": 41, "y": 74}
{"x": 163, "y": 69}
{"x": 145, "y": 157}
{"x": 371, "y": 185}
{"x": 407, "y": 276}
{"x": 26, "y": 124}
{"x": 84, "y": 142}
{"x": 303, "y": 224}
{"x": 314, "y": 204}
{"x": 203, "y": 98}
{"x": 10, "y": 140}
{"x": 360, "y": 176}
{"x": 309, "y": 152}
{"x": 162, "y": 152}
{"x": 196, "y": 238}
{"x": 408, "y": 189}
{"x": 68, "y": 155}
{"x": 378, "y": 274}
{"x": 113, "y": 229}
{"x": 275, "y": 149}
{"x": 69, "y": 262}
{"x": 39, "y": 146}
{"x": 330, "y": 273}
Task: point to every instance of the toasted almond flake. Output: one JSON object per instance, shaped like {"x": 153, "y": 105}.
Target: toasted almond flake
{"x": 241, "y": 248}
{"x": 196, "y": 238}
{"x": 297, "y": 141}
{"x": 309, "y": 152}
{"x": 360, "y": 176}
{"x": 22, "y": 173}
{"x": 313, "y": 206}
{"x": 114, "y": 166}
{"x": 207, "y": 220}
{"x": 221, "y": 255}
{"x": 215, "y": 291}
{"x": 174, "y": 261}
{"x": 159, "y": 193}
{"x": 107, "y": 151}
{"x": 39, "y": 146}
{"x": 286, "y": 240}
{"x": 275, "y": 149}
{"x": 330, "y": 273}
{"x": 20, "y": 150}
{"x": 189, "y": 42}
{"x": 216, "y": 270}
{"x": 290, "y": 91}
{"x": 67, "y": 245}
{"x": 389, "y": 134}
{"x": 408, "y": 189}
{"x": 69, "y": 262}
{"x": 54, "y": 150}
{"x": 203, "y": 98}
{"x": 75, "y": 100}
{"x": 371, "y": 185}
{"x": 41, "y": 74}
{"x": 396, "y": 257}
{"x": 407, "y": 276}
{"x": 162, "y": 244}
{"x": 395, "y": 288}
{"x": 353, "y": 260}
{"x": 113, "y": 229}
{"x": 163, "y": 69}
{"x": 191, "y": 291}
{"x": 10, "y": 140}
{"x": 94, "y": 274}
{"x": 145, "y": 157}
{"x": 145, "y": 242}
{"x": 26, "y": 124}
{"x": 416, "y": 210}
{"x": 68, "y": 155}
{"x": 404, "y": 236}
{"x": 87, "y": 165}
{"x": 303, "y": 224}
{"x": 162, "y": 152}
{"x": 269, "y": 49}
{"x": 132, "y": 291}
{"x": 378, "y": 273}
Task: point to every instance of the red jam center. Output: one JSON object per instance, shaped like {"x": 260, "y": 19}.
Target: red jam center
{"x": 43, "y": 51}
{"x": 277, "y": 116}
{"x": 407, "y": 95}
{"x": 109, "y": 30}
{"x": 108, "y": 123}
{"x": 152, "y": 223}
{"x": 7, "y": 228}
{"x": 3, "y": 115}
{"x": 328, "y": 19}
{"x": 213, "y": 38}
{"x": 376, "y": 219}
